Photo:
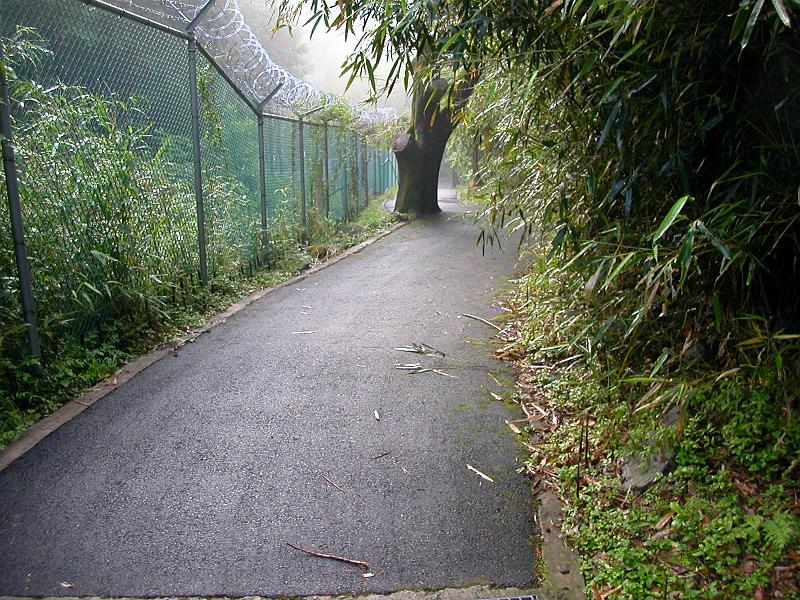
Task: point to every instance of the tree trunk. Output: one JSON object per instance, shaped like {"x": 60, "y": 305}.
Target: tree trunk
{"x": 418, "y": 166}
{"x": 419, "y": 150}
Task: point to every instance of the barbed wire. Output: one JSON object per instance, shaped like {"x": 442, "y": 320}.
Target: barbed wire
{"x": 228, "y": 38}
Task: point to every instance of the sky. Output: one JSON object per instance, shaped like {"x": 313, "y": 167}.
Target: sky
{"x": 323, "y": 55}
{"x": 326, "y": 52}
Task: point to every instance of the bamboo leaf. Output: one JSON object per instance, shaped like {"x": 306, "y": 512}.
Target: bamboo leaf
{"x": 611, "y": 89}
{"x": 741, "y": 19}
{"x": 453, "y": 39}
{"x": 783, "y": 13}
{"x": 587, "y": 66}
{"x": 612, "y": 117}
{"x": 618, "y": 269}
{"x": 722, "y": 248}
{"x": 603, "y": 329}
{"x": 93, "y": 288}
{"x": 670, "y": 217}
{"x": 660, "y": 363}
{"x": 685, "y": 254}
{"x": 751, "y": 22}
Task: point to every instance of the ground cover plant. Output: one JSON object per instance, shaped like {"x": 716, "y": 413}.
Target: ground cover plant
{"x": 723, "y": 520}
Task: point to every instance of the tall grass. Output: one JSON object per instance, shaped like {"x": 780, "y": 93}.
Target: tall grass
{"x": 659, "y": 159}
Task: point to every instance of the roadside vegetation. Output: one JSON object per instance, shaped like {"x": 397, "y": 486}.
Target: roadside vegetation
{"x": 110, "y": 229}
{"x": 651, "y": 155}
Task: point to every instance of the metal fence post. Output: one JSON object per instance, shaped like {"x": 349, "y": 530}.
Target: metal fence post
{"x": 198, "y": 169}
{"x": 348, "y": 210}
{"x": 262, "y": 166}
{"x": 15, "y": 210}
{"x": 365, "y": 162}
{"x": 354, "y": 170}
{"x": 327, "y": 176}
{"x": 303, "y": 167}
{"x": 303, "y": 218}
{"x": 262, "y": 181}
{"x": 375, "y": 183}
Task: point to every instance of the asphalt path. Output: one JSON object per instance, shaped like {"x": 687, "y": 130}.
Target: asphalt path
{"x": 291, "y": 422}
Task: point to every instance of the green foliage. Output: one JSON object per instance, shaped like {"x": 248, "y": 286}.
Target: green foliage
{"x": 619, "y": 110}
{"x": 651, "y": 165}
{"x": 723, "y": 521}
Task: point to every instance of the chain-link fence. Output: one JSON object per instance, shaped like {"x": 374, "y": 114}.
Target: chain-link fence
{"x": 147, "y": 166}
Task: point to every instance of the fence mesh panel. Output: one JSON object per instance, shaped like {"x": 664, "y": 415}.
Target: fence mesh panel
{"x": 229, "y": 159}
{"x": 104, "y": 165}
{"x": 280, "y": 142}
{"x": 338, "y": 165}
{"x": 314, "y": 172}
{"x": 103, "y": 137}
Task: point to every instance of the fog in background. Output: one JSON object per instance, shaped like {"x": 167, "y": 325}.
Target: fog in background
{"x": 317, "y": 60}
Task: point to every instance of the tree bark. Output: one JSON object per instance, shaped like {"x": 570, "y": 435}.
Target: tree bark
{"x": 418, "y": 165}
{"x": 419, "y": 150}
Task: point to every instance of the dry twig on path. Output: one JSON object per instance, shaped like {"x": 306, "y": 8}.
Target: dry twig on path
{"x": 482, "y": 475}
{"x": 416, "y": 368}
{"x": 332, "y": 483}
{"x": 482, "y": 320}
{"x": 350, "y": 561}
{"x": 421, "y": 349}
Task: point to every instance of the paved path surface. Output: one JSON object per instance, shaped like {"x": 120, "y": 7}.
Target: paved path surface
{"x": 191, "y": 478}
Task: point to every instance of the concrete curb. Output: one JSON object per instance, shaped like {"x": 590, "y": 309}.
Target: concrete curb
{"x": 563, "y": 572}
{"x": 41, "y": 429}
{"x": 467, "y": 593}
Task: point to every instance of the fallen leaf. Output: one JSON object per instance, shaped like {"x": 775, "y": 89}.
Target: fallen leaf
{"x": 665, "y": 519}
{"x": 483, "y": 475}
{"x": 610, "y": 592}
{"x": 744, "y": 488}
{"x": 513, "y": 427}
{"x": 662, "y": 534}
